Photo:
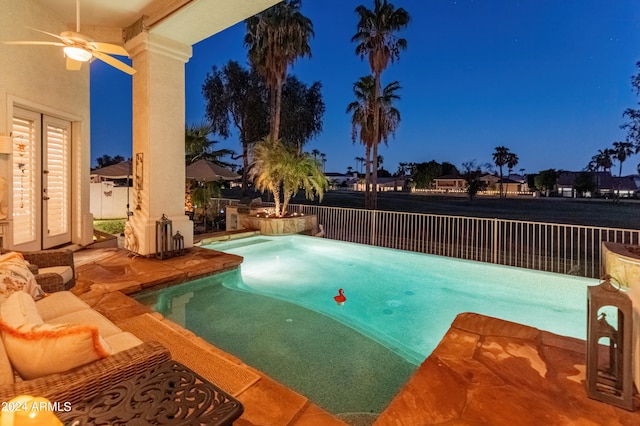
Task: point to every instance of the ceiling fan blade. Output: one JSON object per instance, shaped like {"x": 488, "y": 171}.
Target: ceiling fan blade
{"x": 112, "y": 49}
{"x": 46, "y": 43}
{"x": 114, "y": 62}
{"x": 73, "y": 65}
{"x": 47, "y": 33}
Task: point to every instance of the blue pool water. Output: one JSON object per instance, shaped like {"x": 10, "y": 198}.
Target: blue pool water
{"x": 405, "y": 301}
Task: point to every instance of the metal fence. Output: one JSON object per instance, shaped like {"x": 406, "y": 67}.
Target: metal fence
{"x": 553, "y": 247}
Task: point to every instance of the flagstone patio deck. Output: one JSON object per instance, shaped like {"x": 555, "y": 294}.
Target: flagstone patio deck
{"x": 484, "y": 372}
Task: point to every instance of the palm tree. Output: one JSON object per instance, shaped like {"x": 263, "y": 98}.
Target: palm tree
{"x": 620, "y": 151}
{"x": 359, "y": 162}
{"x": 377, "y": 41}
{"x": 315, "y": 153}
{"x": 275, "y": 39}
{"x": 277, "y": 166}
{"x": 302, "y": 172}
{"x": 602, "y": 160}
{"x": 323, "y": 159}
{"x": 362, "y": 110}
{"x": 512, "y": 161}
{"x": 500, "y": 158}
{"x": 198, "y": 146}
{"x": 362, "y": 122}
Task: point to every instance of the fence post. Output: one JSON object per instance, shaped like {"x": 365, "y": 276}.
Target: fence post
{"x": 495, "y": 240}
{"x": 372, "y": 236}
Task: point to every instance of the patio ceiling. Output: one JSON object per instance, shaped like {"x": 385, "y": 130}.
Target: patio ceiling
{"x": 185, "y": 21}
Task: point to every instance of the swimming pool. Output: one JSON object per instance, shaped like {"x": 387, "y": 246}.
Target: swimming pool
{"x": 282, "y": 299}
{"x": 404, "y": 300}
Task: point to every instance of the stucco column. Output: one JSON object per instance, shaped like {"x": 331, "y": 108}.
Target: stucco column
{"x": 158, "y": 138}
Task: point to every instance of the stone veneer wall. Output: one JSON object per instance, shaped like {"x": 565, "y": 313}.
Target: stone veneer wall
{"x": 280, "y": 226}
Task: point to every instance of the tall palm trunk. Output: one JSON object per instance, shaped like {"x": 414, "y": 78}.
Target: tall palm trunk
{"x": 367, "y": 176}
{"x": 275, "y": 190}
{"x": 276, "y": 95}
{"x": 373, "y": 204}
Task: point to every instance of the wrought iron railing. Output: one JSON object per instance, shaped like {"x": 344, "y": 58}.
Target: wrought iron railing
{"x": 553, "y": 247}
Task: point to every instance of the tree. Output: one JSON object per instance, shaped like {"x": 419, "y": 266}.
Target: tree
{"x": 632, "y": 127}
{"x": 512, "y": 162}
{"x": 425, "y": 173}
{"x": 361, "y": 123}
{"x": 365, "y": 112}
{"x": 584, "y": 182}
{"x": 237, "y": 96}
{"x": 502, "y": 157}
{"x": 197, "y": 145}
{"x": 276, "y": 38}
{"x": 360, "y": 162}
{"x": 620, "y": 151}
{"x": 377, "y": 41}
{"x": 302, "y": 112}
{"x": 107, "y": 160}
{"x": 602, "y": 160}
{"x": 471, "y": 172}
{"x": 277, "y": 166}
{"x": 546, "y": 180}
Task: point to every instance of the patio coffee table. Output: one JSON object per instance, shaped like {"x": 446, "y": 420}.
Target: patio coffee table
{"x": 168, "y": 394}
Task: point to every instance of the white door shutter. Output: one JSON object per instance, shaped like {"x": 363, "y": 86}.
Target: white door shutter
{"x": 56, "y": 191}
{"x": 26, "y": 142}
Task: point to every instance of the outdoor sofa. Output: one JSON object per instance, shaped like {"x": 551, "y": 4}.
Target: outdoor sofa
{"x": 59, "y": 348}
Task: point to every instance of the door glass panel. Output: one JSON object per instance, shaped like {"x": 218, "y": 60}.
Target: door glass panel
{"x": 56, "y": 169}
{"x": 26, "y": 135}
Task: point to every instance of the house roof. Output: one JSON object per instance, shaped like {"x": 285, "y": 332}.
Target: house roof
{"x": 604, "y": 180}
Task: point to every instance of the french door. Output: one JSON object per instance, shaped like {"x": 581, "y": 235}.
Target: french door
{"x": 41, "y": 180}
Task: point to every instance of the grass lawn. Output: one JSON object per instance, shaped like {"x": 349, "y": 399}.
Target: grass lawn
{"x": 625, "y": 214}
{"x": 110, "y": 226}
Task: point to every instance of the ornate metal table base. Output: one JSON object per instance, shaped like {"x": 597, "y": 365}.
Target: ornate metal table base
{"x": 168, "y": 394}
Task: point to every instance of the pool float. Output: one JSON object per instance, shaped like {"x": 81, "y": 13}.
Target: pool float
{"x": 340, "y": 299}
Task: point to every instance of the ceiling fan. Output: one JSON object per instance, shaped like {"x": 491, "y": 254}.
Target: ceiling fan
{"x": 79, "y": 48}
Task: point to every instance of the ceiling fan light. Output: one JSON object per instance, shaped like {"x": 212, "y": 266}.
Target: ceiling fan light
{"x": 77, "y": 54}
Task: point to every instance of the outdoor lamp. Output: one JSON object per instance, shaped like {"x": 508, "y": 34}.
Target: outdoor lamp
{"x": 609, "y": 347}
{"x": 77, "y": 54}
{"x": 178, "y": 244}
{"x": 164, "y": 231}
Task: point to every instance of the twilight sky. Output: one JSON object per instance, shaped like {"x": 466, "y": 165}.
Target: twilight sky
{"x": 549, "y": 79}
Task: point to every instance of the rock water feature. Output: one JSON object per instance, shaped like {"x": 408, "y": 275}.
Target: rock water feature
{"x": 259, "y": 220}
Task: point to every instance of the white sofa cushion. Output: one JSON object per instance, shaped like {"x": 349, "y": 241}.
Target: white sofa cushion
{"x": 19, "y": 309}
{"x": 36, "y": 349}
{"x": 87, "y": 316}
{"x": 122, "y": 341}
{"x": 64, "y": 271}
{"x": 58, "y": 304}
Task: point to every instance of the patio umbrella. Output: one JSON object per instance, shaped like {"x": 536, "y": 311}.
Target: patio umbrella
{"x": 121, "y": 170}
{"x": 206, "y": 171}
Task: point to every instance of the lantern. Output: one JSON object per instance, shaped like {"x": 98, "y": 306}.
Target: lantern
{"x": 178, "y": 244}
{"x": 609, "y": 347}
{"x": 164, "y": 232}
